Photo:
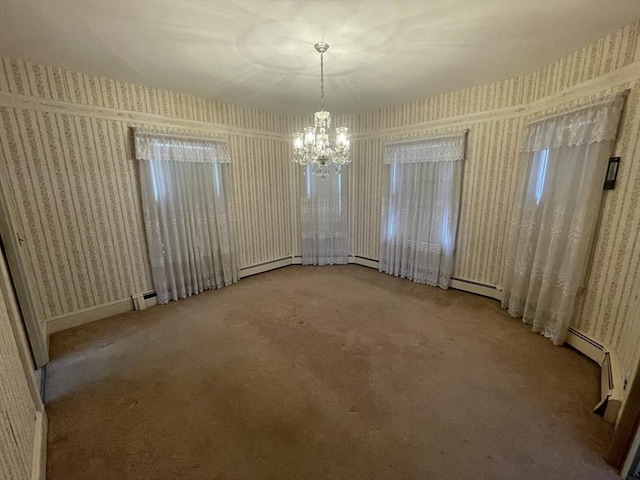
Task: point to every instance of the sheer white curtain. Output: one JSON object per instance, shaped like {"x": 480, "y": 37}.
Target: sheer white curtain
{"x": 323, "y": 218}
{"x": 422, "y": 184}
{"x": 555, "y": 214}
{"x": 188, "y": 212}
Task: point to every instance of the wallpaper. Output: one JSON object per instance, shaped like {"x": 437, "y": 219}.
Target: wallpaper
{"x": 495, "y": 115}
{"x": 71, "y": 180}
{"x": 57, "y": 84}
{"x": 68, "y": 163}
{"x": 17, "y": 410}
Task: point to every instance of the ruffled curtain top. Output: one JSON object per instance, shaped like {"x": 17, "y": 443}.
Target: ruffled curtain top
{"x": 592, "y": 123}
{"x": 151, "y": 145}
{"x": 438, "y": 149}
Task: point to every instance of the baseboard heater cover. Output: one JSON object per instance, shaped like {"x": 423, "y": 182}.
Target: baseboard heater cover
{"x": 364, "y": 261}
{"x": 144, "y": 300}
{"x": 478, "y": 288}
{"x": 611, "y": 380}
{"x": 148, "y": 299}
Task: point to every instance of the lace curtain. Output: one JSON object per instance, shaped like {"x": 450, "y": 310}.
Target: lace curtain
{"x": 422, "y": 184}
{"x": 188, "y": 211}
{"x": 323, "y": 218}
{"x": 555, "y": 214}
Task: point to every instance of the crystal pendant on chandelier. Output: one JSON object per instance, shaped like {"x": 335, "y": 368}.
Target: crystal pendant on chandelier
{"x": 313, "y": 146}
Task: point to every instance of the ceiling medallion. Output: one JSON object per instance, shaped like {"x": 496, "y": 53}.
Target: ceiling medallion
{"x": 313, "y": 147}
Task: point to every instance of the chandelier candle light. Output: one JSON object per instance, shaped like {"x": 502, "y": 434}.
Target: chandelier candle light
{"x": 312, "y": 147}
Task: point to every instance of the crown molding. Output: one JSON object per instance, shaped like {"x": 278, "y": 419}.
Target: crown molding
{"x": 616, "y": 82}
{"x": 130, "y": 118}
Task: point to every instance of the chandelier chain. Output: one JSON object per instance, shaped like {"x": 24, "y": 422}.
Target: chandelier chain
{"x": 322, "y": 82}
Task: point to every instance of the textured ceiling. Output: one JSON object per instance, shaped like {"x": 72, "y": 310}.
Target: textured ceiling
{"x": 260, "y": 53}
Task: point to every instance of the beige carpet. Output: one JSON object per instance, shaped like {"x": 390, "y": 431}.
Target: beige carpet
{"x": 321, "y": 373}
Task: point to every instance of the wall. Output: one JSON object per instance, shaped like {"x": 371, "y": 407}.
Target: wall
{"x": 495, "y": 115}
{"x": 67, "y": 161}
{"x": 22, "y": 420}
{"x": 71, "y": 181}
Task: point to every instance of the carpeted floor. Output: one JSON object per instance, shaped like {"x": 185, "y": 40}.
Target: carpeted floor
{"x": 321, "y": 373}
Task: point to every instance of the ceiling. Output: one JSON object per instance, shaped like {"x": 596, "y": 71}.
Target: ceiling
{"x": 260, "y": 53}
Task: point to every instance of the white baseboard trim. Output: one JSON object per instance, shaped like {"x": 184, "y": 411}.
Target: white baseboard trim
{"x": 88, "y": 315}
{"x": 138, "y": 301}
{"x": 39, "y": 466}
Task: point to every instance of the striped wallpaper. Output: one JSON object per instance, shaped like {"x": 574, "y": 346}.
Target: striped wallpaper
{"x": 72, "y": 186}
{"x": 17, "y": 409}
{"x": 495, "y": 115}
{"x": 68, "y": 164}
{"x": 57, "y": 84}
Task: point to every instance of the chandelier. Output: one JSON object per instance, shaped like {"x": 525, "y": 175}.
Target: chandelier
{"x": 313, "y": 147}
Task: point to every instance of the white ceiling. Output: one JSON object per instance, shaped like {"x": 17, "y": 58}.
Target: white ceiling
{"x": 260, "y": 53}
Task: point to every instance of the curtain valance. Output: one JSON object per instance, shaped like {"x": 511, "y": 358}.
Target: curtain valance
{"x": 151, "y": 145}
{"x": 592, "y": 123}
{"x": 438, "y": 149}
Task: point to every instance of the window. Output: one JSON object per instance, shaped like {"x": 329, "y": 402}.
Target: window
{"x": 540, "y": 162}
{"x": 420, "y": 207}
{"x": 188, "y": 212}
{"x": 323, "y": 217}
{"x": 555, "y": 215}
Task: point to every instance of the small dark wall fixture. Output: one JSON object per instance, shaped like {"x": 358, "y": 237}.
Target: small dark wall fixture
{"x": 612, "y": 173}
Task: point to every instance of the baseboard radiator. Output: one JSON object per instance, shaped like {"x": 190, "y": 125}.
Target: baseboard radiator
{"x": 148, "y": 299}
{"x": 470, "y": 286}
{"x": 612, "y": 383}
{"x": 144, "y": 300}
